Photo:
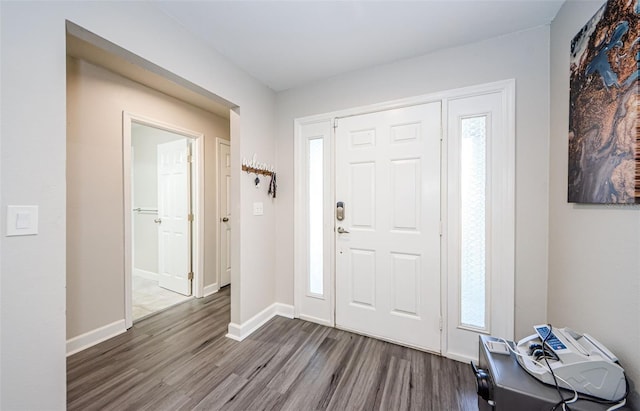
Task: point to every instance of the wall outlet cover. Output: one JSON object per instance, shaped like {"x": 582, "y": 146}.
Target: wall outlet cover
{"x": 258, "y": 208}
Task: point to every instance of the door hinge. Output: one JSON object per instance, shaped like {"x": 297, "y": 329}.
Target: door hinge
{"x": 440, "y": 228}
{"x": 189, "y": 158}
{"x": 190, "y": 276}
{"x": 335, "y": 123}
{"x": 440, "y": 323}
{"x": 190, "y": 217}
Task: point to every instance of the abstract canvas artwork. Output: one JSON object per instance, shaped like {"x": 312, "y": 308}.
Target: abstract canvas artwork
{"x": 604, "y": 134}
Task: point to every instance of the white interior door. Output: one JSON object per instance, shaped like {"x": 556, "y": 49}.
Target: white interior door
{"x": 174, "y": 208}
{"x": 224, "y": 237}
{"x": 388, "y": 257}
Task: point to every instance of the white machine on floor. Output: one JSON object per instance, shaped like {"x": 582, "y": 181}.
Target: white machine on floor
{"x": 579, "y": 360}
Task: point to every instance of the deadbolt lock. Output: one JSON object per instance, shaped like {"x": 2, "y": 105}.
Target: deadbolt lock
{"x": 340, "y": 211}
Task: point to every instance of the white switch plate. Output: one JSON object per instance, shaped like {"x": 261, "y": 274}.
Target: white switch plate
{"x": 258, "y": 208}
{"x": 22, "y": 220}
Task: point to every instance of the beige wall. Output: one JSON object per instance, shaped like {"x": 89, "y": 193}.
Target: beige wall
{"x": 95, "y": 101}
{"x": 594, "y": 250}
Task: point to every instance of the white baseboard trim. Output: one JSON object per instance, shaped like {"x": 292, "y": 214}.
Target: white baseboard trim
{"x": 239, "y": 332}
{"x": 316, "y": 320}
{"x": 461, "y": 358}
{"x": 91, "y": 338}
{"x": 284, "y": 310}
{"x": 149, "y": 275}
{"x": 234, "y": 331}
{"x": 210, "y": 289}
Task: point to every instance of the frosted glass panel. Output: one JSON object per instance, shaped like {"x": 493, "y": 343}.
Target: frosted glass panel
{"x": 316, "y": 200}
{"x": 473, "y": 200}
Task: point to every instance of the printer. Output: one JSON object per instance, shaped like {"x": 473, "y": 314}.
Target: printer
{"x": 578, "y": 361}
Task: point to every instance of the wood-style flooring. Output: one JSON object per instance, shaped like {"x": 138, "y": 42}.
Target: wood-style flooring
{"x": 180, "y": 359}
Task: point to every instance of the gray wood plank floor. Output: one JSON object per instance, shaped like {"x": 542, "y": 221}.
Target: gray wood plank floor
{"x": 180, "y": 359}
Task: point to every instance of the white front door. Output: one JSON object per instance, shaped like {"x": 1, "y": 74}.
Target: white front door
{"x": 388, "y": 244}
{"x": 174, "y": 208}
{"x": 224, "y": 237}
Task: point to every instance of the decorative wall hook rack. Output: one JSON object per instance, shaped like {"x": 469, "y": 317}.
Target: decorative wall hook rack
{"x": 253, "y": 170}
{"x": 254, "y": 167}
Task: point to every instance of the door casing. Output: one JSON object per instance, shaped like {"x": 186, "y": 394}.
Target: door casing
{"x": 324, "y": 123}
{"x": 197, "y": 187}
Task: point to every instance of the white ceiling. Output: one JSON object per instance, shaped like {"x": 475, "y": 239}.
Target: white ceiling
{"x": 289, "y": 43}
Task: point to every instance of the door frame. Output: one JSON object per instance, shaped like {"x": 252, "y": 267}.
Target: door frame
{"x": 500, "y": 231}
{"x": 507, "y": 228}
{"x": 197, "y": 193}
{"x": 219, "y": 141}
{"x": 321, "y": 125}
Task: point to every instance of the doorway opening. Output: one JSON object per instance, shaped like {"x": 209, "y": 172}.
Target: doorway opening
{"x": 104, "y": 79}
{"x": 157, "y": 189}
{"x": 163, "y": 215}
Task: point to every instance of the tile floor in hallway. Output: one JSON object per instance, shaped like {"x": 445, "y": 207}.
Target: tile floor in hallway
{"x": 149, "y": 297}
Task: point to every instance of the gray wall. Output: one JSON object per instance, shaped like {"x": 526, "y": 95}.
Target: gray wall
{"x": 523, "y": 56}
{"x": 33, "y": 161}
{"x": 594, "y": 251}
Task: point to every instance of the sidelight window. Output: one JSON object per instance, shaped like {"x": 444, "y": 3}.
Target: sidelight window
{"x": 315, "y": 183}
{"x": 473, "y": 187}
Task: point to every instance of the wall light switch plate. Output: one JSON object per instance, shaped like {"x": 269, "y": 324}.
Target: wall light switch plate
{"x": 258, "y": 208}
{"x": 22, "y": 220}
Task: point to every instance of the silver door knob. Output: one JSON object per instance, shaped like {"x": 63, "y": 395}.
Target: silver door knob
{"x": 158, "y": 221}
{"x": 342, "y": 230}
{"x": 225, "y": 219}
